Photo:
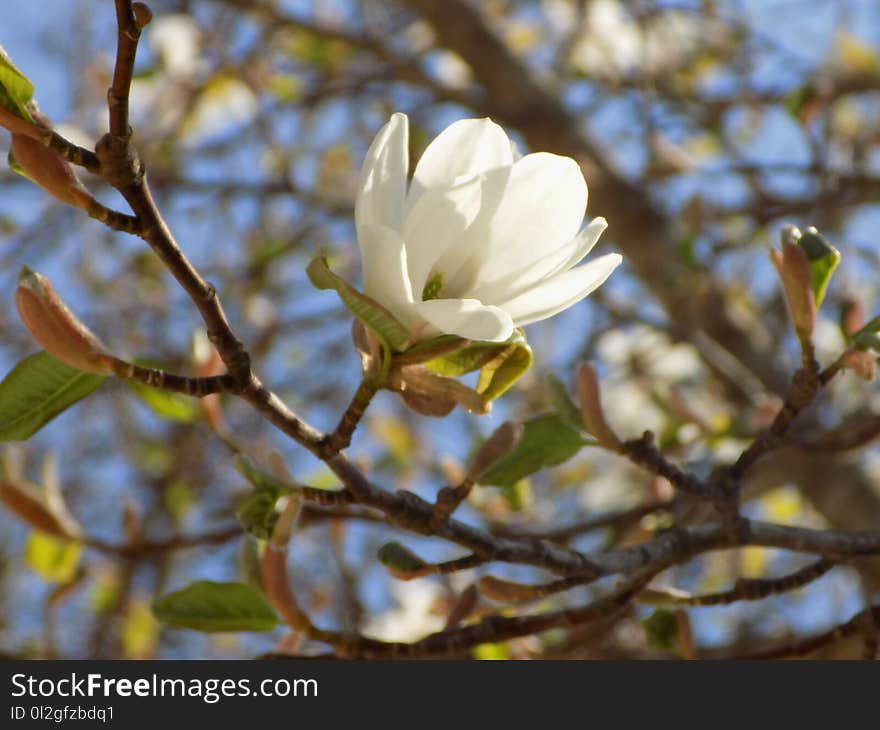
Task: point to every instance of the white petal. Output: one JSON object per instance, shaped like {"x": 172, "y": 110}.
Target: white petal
{"x": 581, "y": 245}
{"x": 465, "y": 148}
{"x": 532, "y": 273}
{"x": 382, "y": 187}
{"x": 386, "y": 278}
{"x": 461, "y": 262}
{"x": 540, "y": 208}
{"x": 437, "y": 220}
{"x": 561, "y": 291}
{"x": 467, "y": 318}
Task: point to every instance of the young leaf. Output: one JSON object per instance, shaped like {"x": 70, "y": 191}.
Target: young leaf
{"x": 503, "y": 370}
{"x": 257, "y": 512}
{"x": 170, "y": 406}
{"x": 216, "y": 607}
{"x": 38, "y": 389}
{"x": 262, "y": 480}
{"x": 54, "y": 559}
{"x": 868, "y": 337}
{"x": 371, "y": 313}
{"x": 661, "y": 630}
{"x": 562, "y": 402}
{"x": 500, "y": 443}
{"x": 519, "y": 495}
{"x": 823, "y": 258}
{"x": 16, "y": 90}
{"x": 466, "y": 360}
{"x": 547, "y": 440}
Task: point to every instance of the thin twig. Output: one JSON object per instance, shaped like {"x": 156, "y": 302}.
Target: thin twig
{"x": 745, "y": 589}
{"x": 340, "y": 439}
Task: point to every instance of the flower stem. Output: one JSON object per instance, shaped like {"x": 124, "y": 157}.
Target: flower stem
{"x": 341, "y": 436}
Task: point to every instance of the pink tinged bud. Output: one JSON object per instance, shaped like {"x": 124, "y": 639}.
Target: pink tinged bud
{"x": 34, "y": 510}
{"x": 852, "y": 317}
{"x": 56, "y": 328}
{"x": 591, "y": 408}
{"x": 51, "y": 172}
{"x": 794, "y": 270}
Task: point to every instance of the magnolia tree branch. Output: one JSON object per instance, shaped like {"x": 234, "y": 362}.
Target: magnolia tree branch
{"x": 130, "y": 19}
{"x": 865, "y": 622}
{"x": 541, "y": 116}
{"x": 745, "y": 589}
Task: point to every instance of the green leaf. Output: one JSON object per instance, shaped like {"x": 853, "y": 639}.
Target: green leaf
{"x": 500, "y": 364}
{"x": 518, "y": 496}
{"x": 867, "y": 341}
{"x": 562, "y": 402}
{"x": 502, "y": 371}
{"x": 170, "y": 406}
{"x": 371, "y": 313}
{"x": 868, "y": 337}
{"x": 257, "y": 512}
{"x": 436, "y": 348}
{"x": 16, "y": 90}
{"x": 38, "y": 389}
{"x": 216, "y": 607}
{"x": 823, "y": 258}
{"x": 248, "y": 562}
{"x": 466, "y": 360}
{"x": 262, "y": 480}
{"x": 661, "y": 629}
{"x": 547, "y": 440}
{"x": 54, "y": 559}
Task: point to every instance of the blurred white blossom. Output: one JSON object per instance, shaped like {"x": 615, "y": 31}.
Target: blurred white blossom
{"x": 181, "y": 94}
{"x": 641, "y": 364}
{"x": 412, "y": 617}
{"x": 613, "y": 42}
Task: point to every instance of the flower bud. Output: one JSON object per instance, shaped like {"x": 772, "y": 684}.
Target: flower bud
{"x": 794, "y": 271}
{"x": 49, "y": 171}
{"x": 142, "y": 14}
{"x": 52, "y": 173}
{"x": 31, "y": 507}
{"x": 852, "y": 316}
{"x": 401, "y": 562}
{"x": 591, "y": 408}
{"x": 56, "y": 328}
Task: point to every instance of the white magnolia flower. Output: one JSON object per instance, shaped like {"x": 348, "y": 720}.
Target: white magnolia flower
{"x": 482, "y": 240}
